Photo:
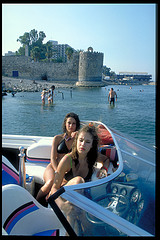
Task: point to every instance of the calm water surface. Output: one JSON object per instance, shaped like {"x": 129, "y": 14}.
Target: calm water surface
{"x": 134, "y": 111}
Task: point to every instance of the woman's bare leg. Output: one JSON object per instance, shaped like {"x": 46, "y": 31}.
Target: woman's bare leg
{"x": 49, "y": 179}
{"x": 72, "y": 212}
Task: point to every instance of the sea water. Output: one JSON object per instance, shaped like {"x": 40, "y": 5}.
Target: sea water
{"x": 133, "y": 113}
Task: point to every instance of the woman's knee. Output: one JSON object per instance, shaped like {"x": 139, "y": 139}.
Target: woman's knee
{"x": 48, "y": 173}
{"x": 78, "y": 180}
{"x": 49, "y": 182}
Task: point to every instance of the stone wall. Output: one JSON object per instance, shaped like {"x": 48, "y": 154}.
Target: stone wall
{"x": 84, "y": 66}
{"x": 29, "y": 69}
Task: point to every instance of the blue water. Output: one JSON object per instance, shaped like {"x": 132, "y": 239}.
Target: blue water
{"x": 134, "y": 111}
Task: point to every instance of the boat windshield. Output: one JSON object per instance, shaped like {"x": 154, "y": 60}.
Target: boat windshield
{"x": 120, "y": 206}
{"x": 134, "y": 147}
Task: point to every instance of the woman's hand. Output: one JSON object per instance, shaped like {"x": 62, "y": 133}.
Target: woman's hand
{"x": 73, "y": 134}
{"x": 102, "y": 173}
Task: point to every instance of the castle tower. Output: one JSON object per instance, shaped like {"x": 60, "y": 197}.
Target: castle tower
{"x": 90, "y": 68}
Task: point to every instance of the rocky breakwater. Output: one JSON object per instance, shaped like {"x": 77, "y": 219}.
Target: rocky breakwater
{"x": 26, "y": 85}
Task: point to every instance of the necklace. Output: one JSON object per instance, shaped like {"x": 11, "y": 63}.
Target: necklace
{"x": 67, "y": 139}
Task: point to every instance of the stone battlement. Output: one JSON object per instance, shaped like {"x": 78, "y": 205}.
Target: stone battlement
{"x": 84, "y": 66}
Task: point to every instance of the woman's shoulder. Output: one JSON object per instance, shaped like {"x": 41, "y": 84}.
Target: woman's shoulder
{"x": 58, "y": 138}
{"x": 66, "y": 161}
{"x": 69, "y": 156}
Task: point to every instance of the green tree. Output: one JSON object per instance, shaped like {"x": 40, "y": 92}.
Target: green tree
{"x": 42, "y": 36}
{"x": 33, "y": 36}
{"x": 21, "y": 51}
{"x": 69, "y": 52}
{"x": 36, "y": 53}
{"x": 43, "y": 51}
{"x": 49, "y": 50}
{"x": 25, "y": 39}
{"x": 112, "y": 75}
{"x": 106, "y": 71}
{"x": 33, "y": 39}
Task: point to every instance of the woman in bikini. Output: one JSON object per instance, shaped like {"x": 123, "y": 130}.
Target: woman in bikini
{"x": 61, "y": 145}
{"x": 79, "y": 166}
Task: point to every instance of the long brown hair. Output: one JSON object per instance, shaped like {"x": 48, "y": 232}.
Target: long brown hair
{"x": 73, "y": 115}
{"x": 93, "y": 152}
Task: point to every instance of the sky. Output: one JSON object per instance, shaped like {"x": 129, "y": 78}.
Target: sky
{"x": 125, "y": 33}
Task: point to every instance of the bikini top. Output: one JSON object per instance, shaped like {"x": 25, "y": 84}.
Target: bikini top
{"x": 62, "y": 148}
{"x": 69, "y": 175}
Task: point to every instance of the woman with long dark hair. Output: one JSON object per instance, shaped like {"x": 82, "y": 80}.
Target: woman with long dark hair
{"x": 77, "y": 166}
{"x": 61, "y": 145}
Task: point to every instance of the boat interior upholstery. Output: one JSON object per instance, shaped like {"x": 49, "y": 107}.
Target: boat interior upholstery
{"x": 38, "y": 157}
{"x": 27, "y": 216}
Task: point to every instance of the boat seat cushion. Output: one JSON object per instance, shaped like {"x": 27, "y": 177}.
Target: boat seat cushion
{"x": 104, "y": 136}
{"x": 39, "y": 152}
{"x": 37, "y": 159}
{"x": 54, "y": 232}
{"x": 36, "y": 170}
{"x": 22, "y": 214}
{"x": 9, "y": 173}
{"x": 109, "y": 151}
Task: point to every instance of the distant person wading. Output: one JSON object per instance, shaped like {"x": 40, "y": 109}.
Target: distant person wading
{"x": 111, "y": 96}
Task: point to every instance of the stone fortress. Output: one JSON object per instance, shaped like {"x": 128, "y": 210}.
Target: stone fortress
{"x": 84, "y": 69}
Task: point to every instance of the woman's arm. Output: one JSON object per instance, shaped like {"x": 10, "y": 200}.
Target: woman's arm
{"x": 104, "y": 169}
{"x": 103, "y": 159}
{"x": 63, "y": 167}
{"x": 55, "y": 143}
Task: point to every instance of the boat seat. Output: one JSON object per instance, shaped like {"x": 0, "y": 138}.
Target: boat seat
{"x": 37, "y": 159}
{"x": 36, "y": 170}
{"x": 39, "y": 152}
{"x": 104, "y": 135}
{"x": 111, "y": 152}
{"x": 9, "y": 173}
{"x": 22, "y": 214}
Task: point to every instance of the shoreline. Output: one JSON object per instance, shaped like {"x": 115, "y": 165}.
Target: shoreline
{"x": 28, "y": 85}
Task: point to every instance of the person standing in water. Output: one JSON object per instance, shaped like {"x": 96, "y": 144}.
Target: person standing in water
{"x": 50, "y": 99}
{"x": 111, "y": 96}
{"x": 52, "y": 91}
{"x": 43, "y": 95}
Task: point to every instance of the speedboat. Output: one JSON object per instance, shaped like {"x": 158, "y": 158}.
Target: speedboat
{"x": 121, "y": 204}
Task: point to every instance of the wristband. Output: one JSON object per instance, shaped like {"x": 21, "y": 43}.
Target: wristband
{"x": 105, "y": 168}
